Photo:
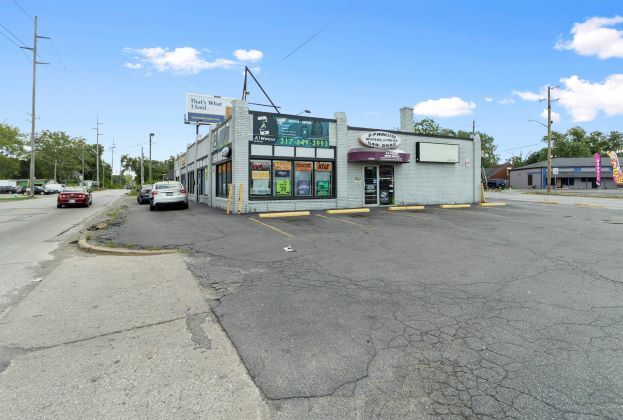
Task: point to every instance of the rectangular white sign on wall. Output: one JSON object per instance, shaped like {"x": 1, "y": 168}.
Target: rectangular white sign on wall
{"x": 206, "y": 109}
{"x": 436, "y": 152}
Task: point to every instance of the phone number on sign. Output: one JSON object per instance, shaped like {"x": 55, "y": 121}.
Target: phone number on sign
{"x": 289, "y": 141}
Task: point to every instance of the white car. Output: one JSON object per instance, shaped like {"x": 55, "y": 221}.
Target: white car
{"x": 168, "y": 193}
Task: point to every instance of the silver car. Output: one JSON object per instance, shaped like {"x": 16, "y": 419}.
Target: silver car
{"x": 168, "y": 193}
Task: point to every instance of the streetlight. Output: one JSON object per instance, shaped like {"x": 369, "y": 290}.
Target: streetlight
{"x": 306, "y": 111}
{"x": 539, "y": 122}
{"x": 150, "y": 136}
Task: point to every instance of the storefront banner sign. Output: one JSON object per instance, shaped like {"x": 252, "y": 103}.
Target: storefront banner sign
{"x": 304, "y": 166}
{"x": 260, "y": 174}
{"x": 617, "y": 175}
{"x": 290, "y": 131}
{"x": 377, "y": 155}
{"x": 303, "y": 188}
{"x": 598, "y": 169}
{"x": 324, "y": 166}
{"x": 282, "y": 174}
{"x": 380, "y": 140}
{"x": 281, "y": 166}
{"x": 322, "y": 188}
{"x": 206, "y": 109}
{"x": 282, "y": 186}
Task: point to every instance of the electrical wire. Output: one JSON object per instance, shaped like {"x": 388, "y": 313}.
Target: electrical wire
{"x": 58, "y": 54}
{"x": 14, "y": 36}
{"x": 23, "y": 11}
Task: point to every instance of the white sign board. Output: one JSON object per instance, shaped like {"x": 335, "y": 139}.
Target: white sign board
{"x": 206, "y": 109}
{"x": 379, "y": 139}
{"x": 555, "y": 171}
{"x": 436, "y": 152}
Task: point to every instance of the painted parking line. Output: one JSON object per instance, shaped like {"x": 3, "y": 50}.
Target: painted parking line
{"x": 489, "y": 214}
{"x": 272, "y": 227}
{"x": 345, "y": 221}
{"x": 595, "y": 206}
{"x": 414, "y": 216}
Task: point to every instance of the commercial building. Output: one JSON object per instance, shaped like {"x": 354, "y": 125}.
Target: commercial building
{"x": 271, "y": 162}
{"x": 568, "y": 173}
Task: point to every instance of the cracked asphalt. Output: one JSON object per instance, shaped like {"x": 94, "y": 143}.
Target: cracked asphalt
{"x": 483, "y": 312}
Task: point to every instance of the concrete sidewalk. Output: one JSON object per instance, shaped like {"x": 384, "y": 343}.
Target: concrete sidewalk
{"x": 120, "y": 337}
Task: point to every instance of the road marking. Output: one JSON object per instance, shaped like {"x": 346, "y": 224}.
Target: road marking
{"x": 489, "y": 214}
{"x": 548, "y": 202}
{"x": 415, "y": 216}
{"x": 345, "y": 221}
{"x": 272, "y": 227}
{"x": 595, "y": 206}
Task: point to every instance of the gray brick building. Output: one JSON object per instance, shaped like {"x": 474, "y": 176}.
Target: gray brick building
{"x": 274, "y": 162}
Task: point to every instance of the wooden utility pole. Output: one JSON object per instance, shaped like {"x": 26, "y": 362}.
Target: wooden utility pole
{"x": 97, "y": 153}
{"x": 112, "y": 161}
{"x": 549, "y": 140}
{"x": 150, "y": 136}
{"x": 33, "y": 115}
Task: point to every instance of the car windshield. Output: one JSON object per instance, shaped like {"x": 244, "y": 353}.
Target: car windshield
{"x": 167, "y": 186}
{"x": 73, "y": 190}
{"x": 147, "y": 187}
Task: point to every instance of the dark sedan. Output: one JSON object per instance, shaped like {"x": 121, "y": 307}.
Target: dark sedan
{"x": 74, "y": 196}
{"x": 144, "y": 194}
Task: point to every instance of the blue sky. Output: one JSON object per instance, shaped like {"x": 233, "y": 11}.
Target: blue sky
{"x": 457, "y": 61}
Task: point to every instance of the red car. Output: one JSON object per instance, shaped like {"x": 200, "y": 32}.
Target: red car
{"x": 74, "y": 196}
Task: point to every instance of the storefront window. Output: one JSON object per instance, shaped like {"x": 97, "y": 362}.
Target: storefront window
{"x": 259, "y": 184}
{"x": 303, "y": 179}
{"x": 323, "y": 186}
{"x": 223, "y": 179}
{"x": 282, "y": 178}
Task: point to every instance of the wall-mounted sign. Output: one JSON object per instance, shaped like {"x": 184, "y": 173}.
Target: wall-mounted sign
{"x": 221, "y": 155}
{"x": 206, "y": 109}
{"x": 324, "y": 166}
{"x": 436, "y": 152}
{"x": 303, "y": 166}
{"x": 379, "y": 139}
{"x": 290, "y": 131}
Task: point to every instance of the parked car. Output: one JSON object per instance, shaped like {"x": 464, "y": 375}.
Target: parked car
{"x": 39, "y": 189}
{"x": 144, "y": 194}
{"x": 168, "y": 193}
{"x": 494, "y": 184}
{"x": 74, "y": 196}
{"x": 53, "y": 188}
{"x": 7, "y": 189}
{"x": 21, "y": 189}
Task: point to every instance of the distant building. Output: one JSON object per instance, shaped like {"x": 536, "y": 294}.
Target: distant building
{"x": 572, "y": 173}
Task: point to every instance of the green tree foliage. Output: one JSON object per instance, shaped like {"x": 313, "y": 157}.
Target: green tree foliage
{"x": 159, "y": 168}
{"x": 575, "y": 142}
{"x": 488, "y": 146}
{"x": 11, "y": 151}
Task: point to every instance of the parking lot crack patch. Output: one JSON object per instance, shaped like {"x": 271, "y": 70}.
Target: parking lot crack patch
{"x": 194, "y": 325}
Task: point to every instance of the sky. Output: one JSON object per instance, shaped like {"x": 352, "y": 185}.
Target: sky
{"x": 456, "y": 61}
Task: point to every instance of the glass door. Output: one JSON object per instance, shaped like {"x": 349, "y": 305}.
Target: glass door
{"x": 386, "y": 185}
{"x": 370, "y": 186}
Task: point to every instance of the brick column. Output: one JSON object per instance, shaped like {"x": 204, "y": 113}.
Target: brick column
{"x": 241, "y": 131}
{"x": 341, "y": 158}
{"x": 477, "y": 166}
{"x": 406, "y": 119}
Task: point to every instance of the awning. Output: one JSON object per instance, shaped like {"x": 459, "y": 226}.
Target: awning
{"x": 365, "y": 154}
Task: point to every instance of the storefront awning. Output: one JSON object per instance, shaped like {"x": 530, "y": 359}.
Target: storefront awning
{"x": 365, "y": 154}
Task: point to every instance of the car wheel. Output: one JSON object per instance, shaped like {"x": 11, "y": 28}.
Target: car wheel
{"x": 185, "y": 206}
{"x": 59, "y": 206}
{"x": 152, "y": 208}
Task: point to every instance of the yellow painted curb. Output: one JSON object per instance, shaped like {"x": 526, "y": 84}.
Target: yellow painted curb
{"x": 349, "y": 211}
{"x": 548, "y": 202}
{"x": 595, "y": 206}
{"x": 455, "y": 206}
{"x": 283, "y": 214}
{"x": 399, "y": 208}
{"x": 496, "y": 204}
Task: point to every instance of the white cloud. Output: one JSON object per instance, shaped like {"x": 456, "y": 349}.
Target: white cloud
{"x": 595, "y": 36}
{"x": 185, "y": 60}
{"x": 528, "y": 96}
{"x": 133, "y": 66}
{"x": 507, "y": 101}
{"x": 249, "y": 55}
{"x": 555, "y": 116}
{"x": 444, "y": 107}
{"x": 584, "y": 99}
{"x": 488, "y": 99}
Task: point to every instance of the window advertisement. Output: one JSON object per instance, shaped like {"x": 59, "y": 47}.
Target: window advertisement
{"x": 290, "y": 131}
{"x": 303, "y": 178}
{"x": 323, "y": 174}
{"x": 221, "y": 136}
{"x": 260, "y": 177}
{"x": 281, "y": 178}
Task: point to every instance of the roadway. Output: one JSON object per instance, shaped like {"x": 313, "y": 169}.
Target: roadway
{"x": 30, "y": 232}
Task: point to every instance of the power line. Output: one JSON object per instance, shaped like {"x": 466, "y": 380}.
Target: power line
{"x": 23, "y": 11}
{"x": 316, "y": 33}
{"x": 14, "y": 36}
{"x": 10, "y": 40}
{"x": 58, "y": 54}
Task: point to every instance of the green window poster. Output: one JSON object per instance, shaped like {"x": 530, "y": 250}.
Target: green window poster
{"x": 282, "y": 187}
{"x": 322, "y": 188}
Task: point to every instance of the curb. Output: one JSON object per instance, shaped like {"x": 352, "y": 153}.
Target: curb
{"x": 84, "y": 245}
{"x": 493, "y": 204}
{"x": 349, "y": 211}
{"x": 283, "y": 214}
{"x": 454, "y": 206}
{"x": 400, "y": 208}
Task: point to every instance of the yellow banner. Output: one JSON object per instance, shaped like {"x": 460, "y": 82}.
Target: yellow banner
{"x": 279, "y": 165}
{"x": 260, "y": 174}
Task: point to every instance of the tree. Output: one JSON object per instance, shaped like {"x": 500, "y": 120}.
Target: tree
{"x": 487, "y": 142}
{"x": 11, "y": 151}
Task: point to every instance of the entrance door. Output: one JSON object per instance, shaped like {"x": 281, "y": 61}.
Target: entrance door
{"x": 386, "y": 185}
{"x": 370, "y": 186}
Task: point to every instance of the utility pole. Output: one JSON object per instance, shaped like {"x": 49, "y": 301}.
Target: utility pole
{"x": 97, "y": 153}
{"x": 33, "y": 116}
{"x": 150, "y": 136}
{"x": 55, "y": 170}
{"x": 549, "y": 140}
{"x": 82, "y": 162}
{"x": 142, "y": 169}
{"x": 112, "y": 161}
{"x": 473, "y": 126}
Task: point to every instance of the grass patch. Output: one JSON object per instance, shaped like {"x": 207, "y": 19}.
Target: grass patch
{"x": 133, "y": 193}
{"x": 9, "y": 197}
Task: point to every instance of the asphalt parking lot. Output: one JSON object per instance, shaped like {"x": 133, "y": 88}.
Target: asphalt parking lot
{"x": 488, "y": 312}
